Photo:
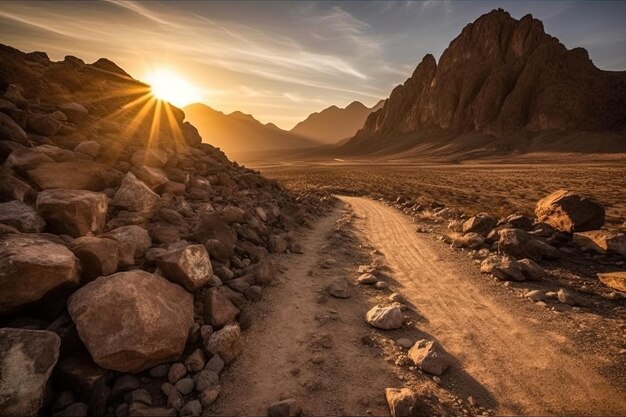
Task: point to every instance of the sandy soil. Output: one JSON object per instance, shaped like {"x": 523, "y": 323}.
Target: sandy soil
{"x": 526, "y": 362}
{"x": 511, "y": 356}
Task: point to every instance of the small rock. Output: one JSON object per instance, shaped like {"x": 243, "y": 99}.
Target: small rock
{"x": 429, "y": 356}
{"x": 209, "y": 395}
{"x": 192, "y": 408}
{"x": 185, "y": 386}
{"x": 196, "y": 361}
{"x": 176, "y": 372}
{"x": 339, "y": 288}
{"x": 159, "y": 371}
{"x": 401, "y": 402}
{"x": 405, "y": 343}
{"x": 205, "y": 379}
{"x": 285, "y": 408}
{"x": 215, "y": 364}
{"x": 367, "y": 279}
{"x": 385, "y": 317}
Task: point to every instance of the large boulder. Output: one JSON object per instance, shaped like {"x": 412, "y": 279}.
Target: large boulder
{"x": 615, "y": 280}
{"x": 13, "y": 188}
{"x": 43, "y": 124}
{"x": 30, "y": 267}
{"x": 152, "y": 177}
{"x": 98, "y": 256}
{"x": 73, "y": 212}
{"x": 217, "y": 235}
{"x": 189, "y": 266}
{"x": 69, "y": 175}
{"x": 429, "y": 356}
{"x": 520, "y": 244}
{"x": 602, "y": 241}
{"x": 218, "y": 310}
{"x": 481, "y": 224}
{"x": 570, "y": 212}
{"x": 132, "y": 321}
{"x": 27, "y": 358}
{"x": 134, "y": 195}
{"x": 21, "y": 216}
{"x": 133, "y": 242}
{"x": 226, "y": 342}
{"x": 385, "y": 317}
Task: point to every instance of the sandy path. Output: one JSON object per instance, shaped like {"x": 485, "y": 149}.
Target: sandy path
{"x": 296, "y": 324}
{"x": 521, "y": 366}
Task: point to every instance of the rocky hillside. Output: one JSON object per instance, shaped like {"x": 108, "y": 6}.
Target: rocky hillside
{"x": 506, "y": 83}
{"x": 333, "y": 124}
{"x": 239, "y": 134}
{"x": 129, "y": 249}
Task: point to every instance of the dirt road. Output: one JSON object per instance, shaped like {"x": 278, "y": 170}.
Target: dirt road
{"x": 527, "y": 367}
{"x": 511, "y": 356}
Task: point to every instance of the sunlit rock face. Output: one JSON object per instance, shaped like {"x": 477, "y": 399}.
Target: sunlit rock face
{"x": 502, "y": 76}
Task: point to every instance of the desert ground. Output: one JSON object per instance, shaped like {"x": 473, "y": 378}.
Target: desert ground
{"x": 497, "y": 188}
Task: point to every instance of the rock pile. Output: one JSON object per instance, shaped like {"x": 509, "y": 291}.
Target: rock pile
{"x": 127, "y": 246}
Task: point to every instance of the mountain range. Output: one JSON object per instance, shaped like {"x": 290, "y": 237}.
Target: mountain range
{"x": 334, "y": 124}
{"x": 237, "y": 133}
{"x": 502, "y": 86}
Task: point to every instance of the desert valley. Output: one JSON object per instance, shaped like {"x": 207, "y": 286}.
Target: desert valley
{"x": 456, "y": 247}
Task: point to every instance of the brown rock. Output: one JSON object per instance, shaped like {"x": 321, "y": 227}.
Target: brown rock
{"x": 481, "y": 224}
{"x": 219, "y": 237}
{"x": 570, "y": 212}
{"x": 218, "y": 310}
{"x": 43, "y": 124}
{"x": 189, "y": 266}
{"x": 226, "y": 342}
{"x": 385, "y": 317}
{"x": 602, "y": 241}
{"x": 73, "y": 212}
{"x": 502, "y": 267}
{"x": 21, "y": 216}
{"x": 70, "y": 175}
{"x": 13, "y": 188}
{"x": 520, "y": 244}
{"x": 402, "y": 402}
{"x": 131, "y": 321}
{"x": 285, "y": 408}
{"x": 32, "y": 266}
{"x": 429, "y": 356}
{"x": 150, "y": 157}
{"x": 27, "y": 358}
{"x": 152, "y": 177}
{"x": 616, "y": 280}
{"x": 134, "y": 195}
{"x": 98, "y": 256}
{"x": 133, "y": 242}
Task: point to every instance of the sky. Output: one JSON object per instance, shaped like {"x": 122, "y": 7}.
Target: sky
{"x": 281, "y": 61}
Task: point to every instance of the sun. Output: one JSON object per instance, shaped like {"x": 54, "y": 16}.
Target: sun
{"x": 168, "y": 86}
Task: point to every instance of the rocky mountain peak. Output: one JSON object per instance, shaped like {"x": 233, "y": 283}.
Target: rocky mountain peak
{"x": 499, "y": 77}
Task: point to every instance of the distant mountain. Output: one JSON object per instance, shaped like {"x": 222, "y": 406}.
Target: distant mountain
{"x": 333, "y": 124}
{"x": 237, "y": 132}
{"x": 503, "y": 85}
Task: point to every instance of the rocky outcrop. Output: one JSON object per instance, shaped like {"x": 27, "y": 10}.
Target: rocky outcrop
{"x": 131, "y": 321}
{"x": 509, "y": 81}
{"x": 27, "y": 358}
{"x": 570, "y": 212}
{"x": 30, "y": 267}
{"x": 126, "y": 203}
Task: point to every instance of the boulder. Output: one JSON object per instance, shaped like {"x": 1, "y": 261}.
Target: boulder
{"x": 189, "y": 266}
{"x": 43, "y": 124}
{"x": 69, "y": 175}
{"x": 602, "y": 241}
{"x": 32, "y": 266}
{"x": 13, "y": 188}
{"x": 264, "y": 272}
{"x": 218, "y": 310}
{"x": 21, "y": 216}
{"x": 152, "y": 177}
{"x": 132, "y": 321}
{"x": 150, "y": 157}
{"x": 226, "y": 342}
{"x": 73, "y": 212}
{"x": 502, "y": 267}
{"x": 402, "y": 402}
{"x": 429, "y": 356}
{"x": 27, "y": 358}
{"x": 134, "y": 195}
{"x": 385, "y": 317}
{"x": 470, "y": 240}
{"x": 218, "y": 236}
{"x": 133, "y": 242}
{"x": 520, "y": 244}
{"x": 285, "y": 408}
{"x": 9, "y": 130}
{"x": 74, "y": 112}
{"x": 481, "y": 224}
{"x": 339, "y": 288}
{"x": 89, "y": 147}
{"x": 531, "y": 269}
{"x": 519, "y": 221}
{"x": 98, "y": 256}
{"x": 615, "y": 280}
{"x": 570, "y": 212}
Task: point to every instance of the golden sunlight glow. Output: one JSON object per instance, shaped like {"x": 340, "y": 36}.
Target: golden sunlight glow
{"x": 170, "y": 87}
